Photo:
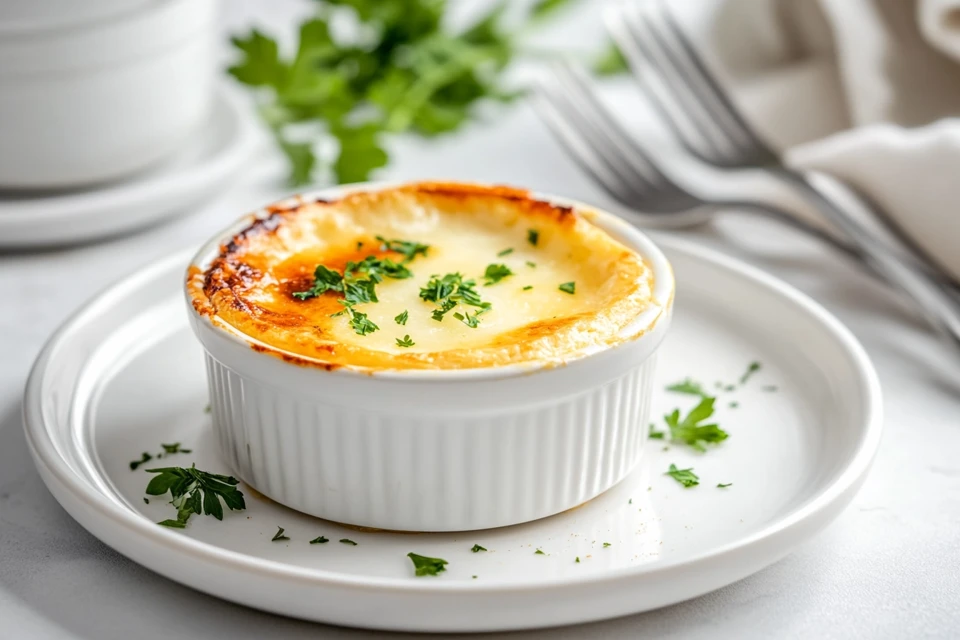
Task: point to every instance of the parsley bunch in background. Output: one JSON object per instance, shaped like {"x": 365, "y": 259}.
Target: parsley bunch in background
{"x": 402, "y": 71}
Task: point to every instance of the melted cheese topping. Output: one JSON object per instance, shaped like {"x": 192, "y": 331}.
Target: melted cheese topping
{"x": 249, "y": 286}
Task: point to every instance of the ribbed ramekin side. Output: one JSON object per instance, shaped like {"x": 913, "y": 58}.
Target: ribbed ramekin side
{"x": 371, "y": 466}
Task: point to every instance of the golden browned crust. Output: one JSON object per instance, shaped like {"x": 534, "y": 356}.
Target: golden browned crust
{"x": 249, "y": 285}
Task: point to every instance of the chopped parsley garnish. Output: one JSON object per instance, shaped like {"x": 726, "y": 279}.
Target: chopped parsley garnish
{"x": 577, "y": 560}
{"x": 358, "y": 281}
{"x": 568, "y": 287}
{"x": 402, "y": 318}
{"x": 324, "y": 280}
{"x": 471, "y": 321}
{"x": 174, "y": 448}
{"x": 409, "y": 250}
{"x": 348, "y": 541}
{"x": 195, "y": 491}
{"x": 278, "y": 536}
{"x": 751, "y": 369}
{"x": 607, "y": 544}
{"x": 724, "y": 486}
{"x": 689, "y": 387}
{"x": 528, "y": 287}
{"x": 654, "y": 434}
{"x": 477, "y": 548}
{"x": 691, "y": 431}
{"x": 146, "y": 501}
{"x": 505, "y": 252}
{"x": 405, "y": 341}
{"x": 424, "y": 566}
{"x": 539, "y": 552}
{"x": 360, "y": 323}
{"x": 144, "y": 458}
{"x": 533, "y": 236}
{"x": 449, "y": 291}
{"x": 686, "y": 477}
{"x": 532, "y": 265}
{"x": 319, "y": 540}
{"x": 495, "y": 273}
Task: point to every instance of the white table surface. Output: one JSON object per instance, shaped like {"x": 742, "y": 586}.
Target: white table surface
{"x": 888, "y": 567}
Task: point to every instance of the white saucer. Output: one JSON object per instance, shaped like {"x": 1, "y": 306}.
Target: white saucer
{"x": 212, "y": 158}
{"x": 126, "y": 375}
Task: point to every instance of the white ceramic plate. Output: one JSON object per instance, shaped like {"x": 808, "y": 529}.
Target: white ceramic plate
{"x": 214, "y": 155}
{"x": 126, "y": 375}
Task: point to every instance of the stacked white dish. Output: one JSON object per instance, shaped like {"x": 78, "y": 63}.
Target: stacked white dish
{"x": 104, "y": 96}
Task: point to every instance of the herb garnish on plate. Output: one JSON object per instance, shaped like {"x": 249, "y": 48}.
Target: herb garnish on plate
{"x": 195, "y": 491}
{"x": 426, "y": 566}
{"x": 686, "y": 477}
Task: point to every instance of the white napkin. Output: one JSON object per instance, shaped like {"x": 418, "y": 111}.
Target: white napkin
{"x": 865, "y": 90}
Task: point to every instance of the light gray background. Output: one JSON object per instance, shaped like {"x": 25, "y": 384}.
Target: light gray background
{"x": 888, "y": 567}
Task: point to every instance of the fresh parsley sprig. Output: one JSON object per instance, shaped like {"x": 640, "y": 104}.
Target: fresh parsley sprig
{"x": 195, "y": 491}
{"x": 402, "y": 71}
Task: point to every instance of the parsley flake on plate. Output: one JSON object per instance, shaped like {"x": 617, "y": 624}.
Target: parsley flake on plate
{"x": 528, "y": 287}
{"x": 348, "y": 541}
{"x": 539, "y": 552}
{"x": 402, "y": 318}
{"x": 278, "y": 536}
{"x": 691, "y": 430}
{"x": 144, "y": 458}
{"x": 174, "y": 448}
{"x": 724, "y": 486}
{"x": 426, "y": 566}
{"x": 405, "y": 341}
{"x": 477, "y": 548}
{"x": 568, "y": 287}
{"x": 607, "y": 544}
{"x": 654, "y": 434}
{"x": 751, "y": 369}
{"x": 686, "y": 477}
{"x": 319, "y": 540}
{"x": 689, "y": 387}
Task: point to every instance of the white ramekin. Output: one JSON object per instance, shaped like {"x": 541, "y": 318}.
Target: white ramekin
{"x": 435, "y": 450}
{"x": 102, "y": 100}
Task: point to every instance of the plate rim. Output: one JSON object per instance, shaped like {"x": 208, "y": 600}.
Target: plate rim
{"x": 854, "y": 470}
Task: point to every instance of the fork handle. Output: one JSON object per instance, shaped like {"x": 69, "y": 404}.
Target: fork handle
{"x": 939, "y": 308}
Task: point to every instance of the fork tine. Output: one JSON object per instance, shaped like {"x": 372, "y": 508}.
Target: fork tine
{"x": 627, "y": 150}
{"x": 654, "y": 69}
{"x": 578, "y": 146}
{"x": 589, "y": 125}
{"x": 719, "y": 94}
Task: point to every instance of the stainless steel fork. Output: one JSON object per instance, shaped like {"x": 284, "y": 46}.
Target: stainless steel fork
{"x": 708, "y": 124}
{"x": 623, "y": 167}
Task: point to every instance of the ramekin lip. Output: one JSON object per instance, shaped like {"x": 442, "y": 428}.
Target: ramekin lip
{"x": 662, "y": 293}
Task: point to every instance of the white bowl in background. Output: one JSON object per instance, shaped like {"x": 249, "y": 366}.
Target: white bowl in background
{"x": 87, "y": 105}
{"x": 435, "y": 450}
{"x": 39, "y": 15}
